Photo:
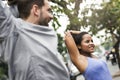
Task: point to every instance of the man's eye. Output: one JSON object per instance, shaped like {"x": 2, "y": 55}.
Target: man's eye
{"x": 50, "y": 11}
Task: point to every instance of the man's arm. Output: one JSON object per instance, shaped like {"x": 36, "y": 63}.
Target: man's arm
{"x": 6, "y": 23}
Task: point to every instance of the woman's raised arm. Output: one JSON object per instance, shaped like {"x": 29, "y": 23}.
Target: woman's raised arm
{"x": 78, "y": 60}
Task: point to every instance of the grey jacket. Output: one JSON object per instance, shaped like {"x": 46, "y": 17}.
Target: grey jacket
{"x": 30, "y": 50}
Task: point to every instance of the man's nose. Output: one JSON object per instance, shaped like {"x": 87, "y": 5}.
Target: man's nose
{"x": 51, "y": 16}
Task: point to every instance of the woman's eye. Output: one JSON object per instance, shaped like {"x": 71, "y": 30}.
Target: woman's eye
{"x": 91, "y": 40}
{"x": 87, "y": 41}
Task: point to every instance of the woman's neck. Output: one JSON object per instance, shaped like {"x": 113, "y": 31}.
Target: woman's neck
{"x": 85, "y": 54}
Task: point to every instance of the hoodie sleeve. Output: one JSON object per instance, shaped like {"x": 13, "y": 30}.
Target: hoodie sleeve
{"x": 6, "y": 25}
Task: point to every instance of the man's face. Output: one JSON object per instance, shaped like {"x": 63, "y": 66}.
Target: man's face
{"x": 45, "y": 14}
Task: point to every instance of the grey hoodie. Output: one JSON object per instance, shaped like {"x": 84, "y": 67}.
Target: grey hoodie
{"x": 30, "y": 50}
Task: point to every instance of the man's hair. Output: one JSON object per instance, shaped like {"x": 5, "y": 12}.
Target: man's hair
{"x": 24, "y": 6}
{"x": 12, "y": 2}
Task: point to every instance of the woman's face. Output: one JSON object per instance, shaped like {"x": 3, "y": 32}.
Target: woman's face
{"x": 87, "y": 44}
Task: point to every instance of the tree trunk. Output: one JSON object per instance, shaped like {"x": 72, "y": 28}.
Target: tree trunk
{"x": 116, "y": 46}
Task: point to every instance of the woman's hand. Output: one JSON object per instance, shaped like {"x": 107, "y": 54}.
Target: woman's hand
{"x": 74, "y": 32}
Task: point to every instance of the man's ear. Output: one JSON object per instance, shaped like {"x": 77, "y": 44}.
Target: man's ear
{"x": 35, "y": 10}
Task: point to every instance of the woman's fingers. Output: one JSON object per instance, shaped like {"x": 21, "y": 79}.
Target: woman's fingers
{"x": 67, "y": 34}
{"x": 74, "y": 32}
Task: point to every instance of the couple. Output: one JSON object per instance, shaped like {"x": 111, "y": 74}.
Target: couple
{"x": 25, "y": 44}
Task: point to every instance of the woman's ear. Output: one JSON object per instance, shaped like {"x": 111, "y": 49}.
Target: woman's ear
{"x": 78, "y": 46}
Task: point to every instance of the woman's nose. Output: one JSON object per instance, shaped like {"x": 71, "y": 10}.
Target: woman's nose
{"x": 91, "y": 42}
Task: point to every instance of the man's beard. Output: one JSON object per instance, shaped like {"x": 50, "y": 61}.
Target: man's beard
{"x": 43, "y": 22}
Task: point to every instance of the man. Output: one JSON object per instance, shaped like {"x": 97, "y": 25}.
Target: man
{"x": 28, "y": 45}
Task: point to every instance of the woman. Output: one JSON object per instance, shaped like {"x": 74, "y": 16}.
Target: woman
{"x": 80, "y": 47}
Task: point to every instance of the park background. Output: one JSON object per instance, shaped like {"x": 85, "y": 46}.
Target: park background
{"x": 98, "y": 17}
